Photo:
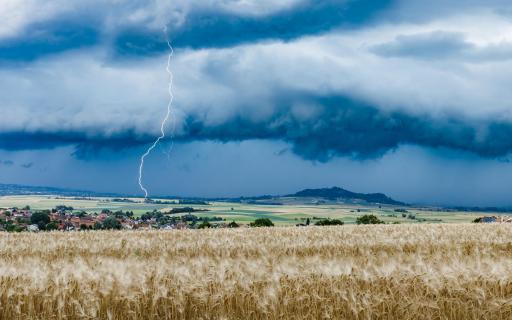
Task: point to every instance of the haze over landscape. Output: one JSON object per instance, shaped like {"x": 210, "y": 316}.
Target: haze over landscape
{"x": 409, "y": 98}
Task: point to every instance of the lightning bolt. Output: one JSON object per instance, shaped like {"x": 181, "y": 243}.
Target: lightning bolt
{"x": 164, "y": 120}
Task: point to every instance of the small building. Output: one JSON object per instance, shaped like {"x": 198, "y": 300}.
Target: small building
{"x": 87, "y": 221}
{"x": 33, "y": 228}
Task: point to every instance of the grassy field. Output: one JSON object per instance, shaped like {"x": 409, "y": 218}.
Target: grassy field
{"x": 429, "y": 271}
{"x": 283, "y": 215}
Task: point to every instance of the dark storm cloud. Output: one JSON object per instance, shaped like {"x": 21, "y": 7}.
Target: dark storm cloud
{"x": 203, "y": 28}
{"x": 421, "y": 86}
{"x": 349, "y": 128}
{"x": 85, "y": 147}
{"x": 224, "y": 92}
{"x": 342, "y": 127}
{"x": 207, "y": 26}
{"x": 206, "y": 29}
{"x": 32, "y": 141}
{"x": 44, "y": 39}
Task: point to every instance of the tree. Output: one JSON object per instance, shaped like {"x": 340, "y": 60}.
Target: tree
{"x": 146, "y": 216}
{"x": 41, "y": 219}
{"x": 111, "y": 223}
{"x": 10, "y": 227}
{"x": 63, "y": 208}
{"x": 233, "y": 224}
{"x": 81, "y": 214}
{"x": 308, "y": 221}
{"x": 51, "y": 226}
{"x": 369, "y": 219}
{"x": 158, "y": 215}
{"x": 329, "y": 222}
{"x": 262, "y": 222}
{"x": 204, "y": 225}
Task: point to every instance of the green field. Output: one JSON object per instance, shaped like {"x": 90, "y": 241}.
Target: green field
{"x": 288, "y": 214}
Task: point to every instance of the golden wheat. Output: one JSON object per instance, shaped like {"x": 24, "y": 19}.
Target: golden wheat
{"x": 349, "y": 272}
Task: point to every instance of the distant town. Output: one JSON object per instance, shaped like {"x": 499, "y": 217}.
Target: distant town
{"x": 65, "y": 218}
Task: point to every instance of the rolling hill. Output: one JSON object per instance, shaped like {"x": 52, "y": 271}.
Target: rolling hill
{"x": 336, "y": 193}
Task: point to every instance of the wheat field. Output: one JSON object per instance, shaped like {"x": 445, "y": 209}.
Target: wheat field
{"x": 347, "y": 272}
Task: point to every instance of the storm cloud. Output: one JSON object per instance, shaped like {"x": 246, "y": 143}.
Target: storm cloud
{"x": 269, "y": 96}
{"x": 340, "y": 128}
{"x": 134, "y": 27}
{"x": 331, "y": 78}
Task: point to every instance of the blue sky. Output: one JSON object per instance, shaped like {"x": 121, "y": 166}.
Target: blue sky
{"x": 411, "y": 98}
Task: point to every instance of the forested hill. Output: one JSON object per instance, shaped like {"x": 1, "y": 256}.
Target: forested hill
{"x": 340, "y": 193}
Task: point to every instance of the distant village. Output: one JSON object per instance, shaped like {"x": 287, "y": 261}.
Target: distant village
{"x": 67, "y": 219}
